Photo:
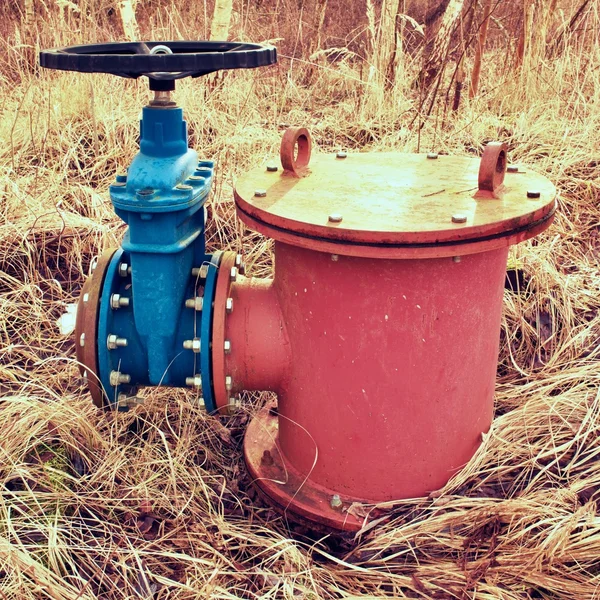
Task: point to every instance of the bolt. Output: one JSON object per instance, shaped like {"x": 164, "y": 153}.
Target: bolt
{"x": 341, "y": 154}
{"x": 125, "y": 401}
{"x": 336, "y": 502}
{"x": 113, "y": 342}
{"x": 86, "y": 297}
{"x": 201, "y": 272}
{"x": 192, "y": 345}
{"x": 145, "y": 192}
{"x": 456, "y": 259}
{"x": 195, "y": 303}
{"x": 239, "y": 263}
{"x": 533, "y": 194}
{"x": 229, "y": 305}
{"x": 124, "y": 269}
{"x": 260, "y": 193}
{"x": 228, "y": 383}
{"x": 195, "y": 382}
{"x": 335, "y": 257}
{"x": 512, "y": 169}
{"x": 272, "y": 168}
{"x": 197, "y": 178}
{"x": 82, "y": 340}
{"x": 184, "y": 187}
{"x": 459, "y": 218}
{"x": 235, "y": 403}
{"x": 116, "y": 301}
{"x": 335, "y": 218}
{"x": 432, "y": 155}
{"x": 116, "y": 377}
{"x": 93, "y": 264}
{"x": 233, "y": 274}
{"x": 227, "y": 346}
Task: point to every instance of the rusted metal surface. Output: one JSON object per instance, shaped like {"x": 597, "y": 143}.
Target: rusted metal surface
{"x": 492, "y": 170}
{"x": 295, "y": 150}
{"x": 86, "y": 324}
{"x": 394, "y": 206}
{"x": 218, "y": 332}
{"x": 292, "y": 493}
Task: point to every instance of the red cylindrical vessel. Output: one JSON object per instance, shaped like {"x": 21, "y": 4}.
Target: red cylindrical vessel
{"x": 381, "y": 325}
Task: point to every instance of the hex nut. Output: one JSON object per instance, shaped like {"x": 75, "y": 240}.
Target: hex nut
{"x": 260, "y": 193}
{"x": 227, "y": 346}
{"x": 533, "y": 194}
{"x": 341, "y": 154}
{"x": 233, "y": 274}
{"x": 124, "y": 269}
{"x": 183, "y": 187}
{"x": 113, "y": 342}
{"x": 82, "y": 340}
{"x": 115, "y": 378}
{"x": 200, "y": 272}
{"x": 125, "y": 401}
{"x": 86, "y": 297}
{"x": 196, "y": 303}
{"x": 335, "y": 218}
{"x": 336, "y": 502}
{"x": 432, "y": 155}
{"x": 229, "y": 305}
{"x": 272, "y": 168}
{"x": 459, "y": 218}
{"x": 195, "y": 382}
{"x": 117, "y": 301}
{"x": 193, "y": 344}
{"x": 228, "y": 383}
{"x": 512, "y": 169}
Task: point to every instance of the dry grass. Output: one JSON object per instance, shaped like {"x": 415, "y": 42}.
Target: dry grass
{"x": 155, "y": 503}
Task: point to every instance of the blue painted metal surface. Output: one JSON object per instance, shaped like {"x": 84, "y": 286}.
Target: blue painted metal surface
{"x": 161, "y": 199}
{"x": 206, "y": 332}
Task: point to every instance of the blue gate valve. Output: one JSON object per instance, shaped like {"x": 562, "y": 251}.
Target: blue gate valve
{"x": 145, "y": 314}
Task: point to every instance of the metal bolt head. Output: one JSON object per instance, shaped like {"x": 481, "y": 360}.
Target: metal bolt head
{"x": 335, "y": 218}
{"x": 235, "y": 403}
{"x": 117, "y": 301}
{"x": 183, "y": 187}
{"x": 125, "y": 401}
{"x": 113, "y": 342}
{"x": 533, "y": 194}
{"x": 335, "y": 257}
{"x": 233, "y": 274}
{"x": 86, "y": 297}
{"x": 193, "y": 344}
{"x": 272, "y": 168}
{"x": 432, "y": 155}
{"x": 457, "y": 259}
{"x": 82, "y": 340}
{"x": 336, "y": 502}
{"x": 93, "y": 264}
{"x": 260, "y": 193}
{"x": 229, "y": 305}
{"x": 228, "y": 383}
{"x": 200, "y": 272}
{"x": 195, "y": 382}
{"x": 459, "y": 218}
{"x": 116, "y": 378}
{"x": 196, "y": 303}
{"x": 124, "y": 269}
{"x": 341, "y": 154}
{"x": 512, "y": 169}
{"x": 227, "y": 346}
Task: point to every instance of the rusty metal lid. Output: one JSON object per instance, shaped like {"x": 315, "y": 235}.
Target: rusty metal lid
{"x": 393, "y": 205}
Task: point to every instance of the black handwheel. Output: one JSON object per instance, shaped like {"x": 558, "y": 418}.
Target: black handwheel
{"x": 161, "y": 62}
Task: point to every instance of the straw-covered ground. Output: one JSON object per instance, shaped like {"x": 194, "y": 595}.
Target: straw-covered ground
{"x": 155, "y": 503}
